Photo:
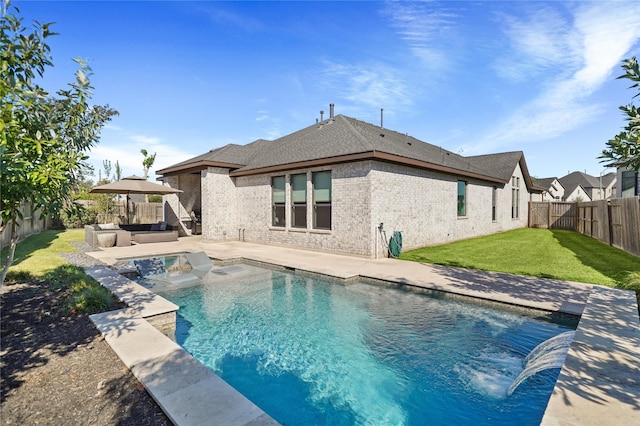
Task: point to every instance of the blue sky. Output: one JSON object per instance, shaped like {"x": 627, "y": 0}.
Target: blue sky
{"x": 471, "y": 77}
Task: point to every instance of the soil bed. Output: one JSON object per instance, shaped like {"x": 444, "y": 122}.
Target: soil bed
{"x": 57, "y": 369}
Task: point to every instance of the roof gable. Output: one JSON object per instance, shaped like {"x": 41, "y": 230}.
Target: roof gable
{"x": 582, "y": 179}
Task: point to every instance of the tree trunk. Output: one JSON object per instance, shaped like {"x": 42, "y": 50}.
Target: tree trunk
{"x": 12, "y": 251}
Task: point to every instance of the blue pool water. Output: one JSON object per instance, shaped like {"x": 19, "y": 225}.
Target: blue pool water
{"x": 310, "y": 351}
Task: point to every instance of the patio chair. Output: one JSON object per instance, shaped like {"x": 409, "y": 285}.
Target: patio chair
{"x": 200, "y": 263}
{"x": 154, "y": 269}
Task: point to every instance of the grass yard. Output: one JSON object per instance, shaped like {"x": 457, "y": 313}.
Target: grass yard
{"x": 563, "y": 255}
{"x": 38, "y": 254}
{"x": 37, "y": 258}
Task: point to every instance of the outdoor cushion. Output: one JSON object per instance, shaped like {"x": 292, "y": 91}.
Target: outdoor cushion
{"x": 155, "y": 227}
{"x": 104, "y": 226}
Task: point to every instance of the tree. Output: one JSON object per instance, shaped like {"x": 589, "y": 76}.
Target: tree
{"x": 106, "y": 165}
{"x": 623, "y": 150}
{"x": 147, "y": 162}
{"x": 43, "y": 139}
{"x": 118, "y": 172}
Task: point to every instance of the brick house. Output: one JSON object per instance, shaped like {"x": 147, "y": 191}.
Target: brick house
{"x": 331, "y": 185}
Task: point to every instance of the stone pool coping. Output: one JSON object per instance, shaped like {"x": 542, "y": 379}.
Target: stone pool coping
{"x": 598, "y": 384}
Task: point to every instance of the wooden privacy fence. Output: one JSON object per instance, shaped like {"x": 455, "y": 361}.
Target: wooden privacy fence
{"x": 615, "y": 222}
{"x": 624, "y": 218}
{"x": 140, "y": 213}
{"x": 552, "y": 215}
{"x": 30, "y": 224}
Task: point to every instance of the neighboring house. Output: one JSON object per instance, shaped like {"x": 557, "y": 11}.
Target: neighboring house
{"x": 554, "y": 190}
{"x": 629, "y": 183}
{"x": 609, "y": 184}
{"x": 344, "y": 185}
{"x": 576, "y": 194}
{"x": 595, "y": 187}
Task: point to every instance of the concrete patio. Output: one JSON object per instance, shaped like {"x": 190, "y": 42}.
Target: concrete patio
{"x": 599, "y": 383}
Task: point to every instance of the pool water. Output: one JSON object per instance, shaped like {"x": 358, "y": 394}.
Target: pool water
{"x": 310, "y": 351}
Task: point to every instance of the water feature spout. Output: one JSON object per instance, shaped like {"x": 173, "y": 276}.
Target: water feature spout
{"x": 549, "y": 354}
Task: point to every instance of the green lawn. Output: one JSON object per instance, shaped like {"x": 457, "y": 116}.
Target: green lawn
{"x": 564, "y": 255}
{"x": 37, "y": 259}
{"x": 38, "y": 254}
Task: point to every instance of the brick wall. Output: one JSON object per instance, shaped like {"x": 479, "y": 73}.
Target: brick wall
{"x": 420, "y": 203}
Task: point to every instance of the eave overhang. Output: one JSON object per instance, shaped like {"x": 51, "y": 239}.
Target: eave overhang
{"x": 196, "y": 167}
{"x": 370, "y": 155}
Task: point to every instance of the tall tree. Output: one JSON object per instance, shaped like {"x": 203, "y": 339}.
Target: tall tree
{"x": 624, "y": 149}
{"x": 106, "y": 165}
{"x": 147, "y": 162}
{"x": 118, "y": 173}
{"x": 43, "y": 139}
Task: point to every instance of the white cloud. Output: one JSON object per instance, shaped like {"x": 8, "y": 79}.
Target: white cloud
{"x": 366, "y": 85}
{"x": 601, "y": 35}
{"x": 540, "y": 42}
{"x": 116, "y": 146}
{"x": 145, "y": 140}
{"x": 425, "y": 27}
{"x": 262, "y": 116}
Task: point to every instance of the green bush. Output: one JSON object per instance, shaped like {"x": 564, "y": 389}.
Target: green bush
{"x": 89, "y": 299}
{"x": 84, "y": 295}
{"x": 80, "y": 218}
{"x": 19, "y": 276}
{"x": 631, "y": 281}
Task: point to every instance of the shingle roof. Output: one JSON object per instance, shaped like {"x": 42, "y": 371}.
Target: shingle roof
{"x": 608, "y": 178}
{"x": 546, "y": 182}
{"x": 343, "y": 137}
{"x": 578, "y": 178}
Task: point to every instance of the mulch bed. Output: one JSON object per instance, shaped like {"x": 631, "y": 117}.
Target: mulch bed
{"x": 57, "y": 369}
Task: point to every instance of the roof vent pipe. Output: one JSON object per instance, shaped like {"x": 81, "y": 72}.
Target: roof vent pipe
{"x": 331, "y": 110}
{"x": 321, "y": 115}
{"x": 381, "y": 118}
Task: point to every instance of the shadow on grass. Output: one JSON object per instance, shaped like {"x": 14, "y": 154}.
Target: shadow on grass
{"x": 608, "y": 261}
{"x": 31, "y": 244}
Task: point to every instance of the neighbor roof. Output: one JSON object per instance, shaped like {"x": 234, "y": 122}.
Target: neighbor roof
{"x": 587, "y": 182}
{"x": 343, "y": 139}
{"x": 546, "y": 182}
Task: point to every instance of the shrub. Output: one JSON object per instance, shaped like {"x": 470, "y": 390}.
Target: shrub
{"x": 80, "y": 218}
{"x": 631, "y": 281}
{"x": 89, "y": 299}
{"x": 84, "y": 294}
{"x": 19, "y": 276}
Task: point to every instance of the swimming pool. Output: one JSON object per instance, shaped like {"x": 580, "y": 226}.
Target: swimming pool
{"x": 312, "y": 351}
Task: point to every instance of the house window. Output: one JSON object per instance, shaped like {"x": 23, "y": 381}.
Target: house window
{"x": 515, "y": 197}
{"x": 299, "y": 201}
{"x": 628, "y": 184}
{"x": 322, "y": 200}
{"x": 494, "y": 203}
{"x": 462, "y": 198}
{"x": 277, "y": 201}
